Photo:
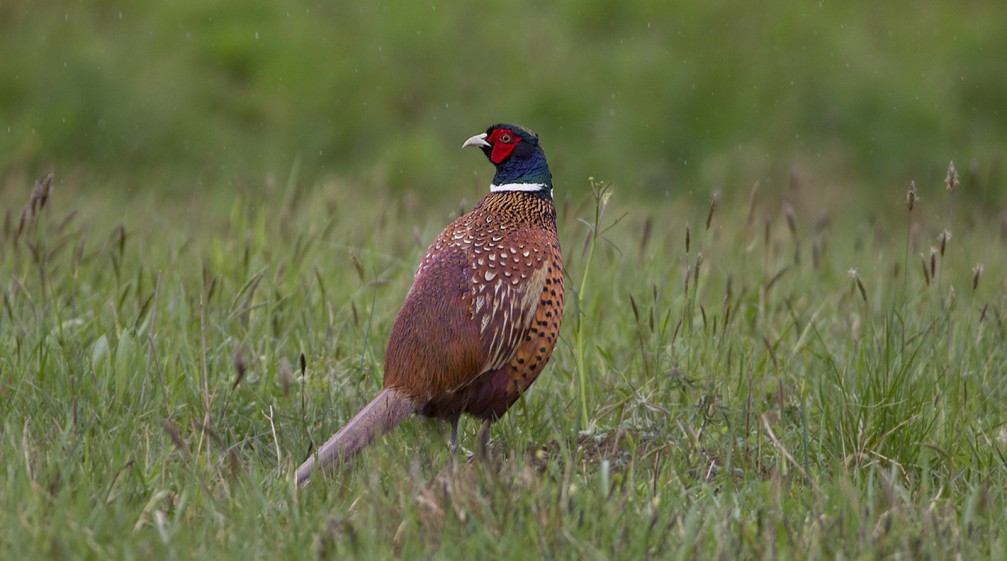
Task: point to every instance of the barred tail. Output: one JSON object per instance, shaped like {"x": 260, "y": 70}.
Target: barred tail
{"x": 385, "y": 412}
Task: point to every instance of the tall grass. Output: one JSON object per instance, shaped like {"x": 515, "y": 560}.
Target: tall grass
{"x": 165, "y": 363}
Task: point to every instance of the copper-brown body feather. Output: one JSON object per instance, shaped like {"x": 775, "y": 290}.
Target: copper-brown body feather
{"x": 483, "y": 314}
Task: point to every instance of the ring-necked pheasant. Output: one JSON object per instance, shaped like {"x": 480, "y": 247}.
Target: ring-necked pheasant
{"x": 484, "y": 311}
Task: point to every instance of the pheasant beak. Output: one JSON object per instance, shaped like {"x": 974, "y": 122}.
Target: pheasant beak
{"x": 477, "y": 140}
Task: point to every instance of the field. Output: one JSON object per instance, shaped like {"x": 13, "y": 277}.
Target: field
{"x": 786, "y": 330}
{"x": 758, "y": 385}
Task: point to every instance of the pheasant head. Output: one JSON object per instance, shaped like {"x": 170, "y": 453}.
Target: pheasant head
{"x": 518, "y": 157}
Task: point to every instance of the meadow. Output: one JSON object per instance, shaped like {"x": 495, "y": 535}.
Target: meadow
{"x": 785, "y": 334}
{"x": 757, "y": 384}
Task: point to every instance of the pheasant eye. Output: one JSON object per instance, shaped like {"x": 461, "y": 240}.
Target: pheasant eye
{"x": 505, "y": 138}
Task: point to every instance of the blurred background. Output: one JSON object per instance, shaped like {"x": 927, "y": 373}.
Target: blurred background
{"x": 663, "y": 99}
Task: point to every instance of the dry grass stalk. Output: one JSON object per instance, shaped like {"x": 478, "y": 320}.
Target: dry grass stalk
{"x": 911, "y": 196}
{"x": 977, "y": 271}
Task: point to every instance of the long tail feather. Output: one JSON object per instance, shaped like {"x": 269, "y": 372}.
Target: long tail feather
{"x": 382, "y": 414}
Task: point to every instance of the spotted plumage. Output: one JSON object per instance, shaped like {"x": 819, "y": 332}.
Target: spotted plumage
{"x": 483, "y": 314}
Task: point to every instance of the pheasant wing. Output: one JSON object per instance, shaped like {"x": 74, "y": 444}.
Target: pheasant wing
{"x": 504, "y": 300}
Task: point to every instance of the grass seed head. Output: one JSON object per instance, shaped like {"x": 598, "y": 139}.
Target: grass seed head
{"x": 648, "y": 227}
{"x": 926, "y": 270}
{"x": 943, "y": 238}
{"x": 175, "y": 434}
{"x": 855, "y": 275}
{"x": 751, "y": 203}
{"x": 36, "y": 202}
{"x": 40, "y": 193}
{"x": 951, "y": 180}
{"x": 358, "y": 266}
{"x": 240, "y": 364}
{"x": 977, "y": 271}
{"x": 794, "y": 179}
{"x": 286, "y": 375}
{"x": 713, "y": 207}
{"x": 636, "y": 311}
{"x": 911, "y": 196}
{"x": 788, "y": 212}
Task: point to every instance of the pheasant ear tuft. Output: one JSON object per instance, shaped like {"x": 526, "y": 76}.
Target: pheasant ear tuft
{"x": 527, "y": 131}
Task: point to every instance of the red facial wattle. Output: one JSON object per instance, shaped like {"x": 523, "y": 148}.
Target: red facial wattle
{"x": 503, "y": 142}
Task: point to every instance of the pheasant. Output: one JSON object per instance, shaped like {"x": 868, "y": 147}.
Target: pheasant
{"x": 484, "y": 311}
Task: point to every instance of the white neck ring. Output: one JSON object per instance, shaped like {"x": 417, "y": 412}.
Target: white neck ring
{"x": 494, "y": 188}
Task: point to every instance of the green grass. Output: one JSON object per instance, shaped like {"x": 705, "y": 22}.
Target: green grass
{"x": 745, "y": 398}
